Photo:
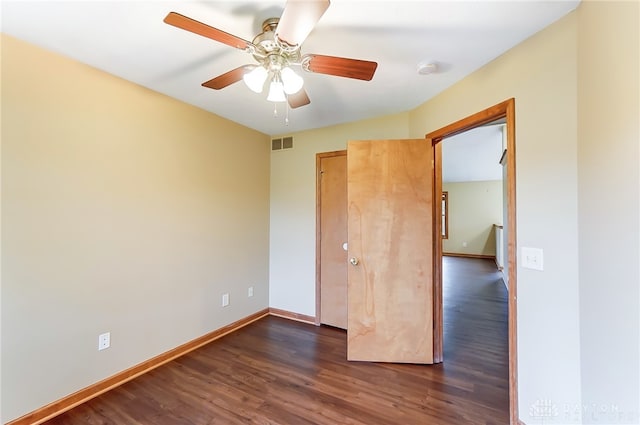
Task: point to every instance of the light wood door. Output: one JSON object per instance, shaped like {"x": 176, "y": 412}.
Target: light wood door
{"x": 390, "y": 210}
{"x": 332, "y": 204}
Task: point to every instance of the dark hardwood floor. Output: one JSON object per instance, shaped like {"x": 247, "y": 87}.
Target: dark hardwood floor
{"x": 277, "y": 371}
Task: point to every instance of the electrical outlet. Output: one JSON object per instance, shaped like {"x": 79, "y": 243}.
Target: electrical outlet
{"x": 104, "y": 341}
{"x": 225, "y": 300}
{"x": 250, "y": 291}
{"x": 464, "y": 244}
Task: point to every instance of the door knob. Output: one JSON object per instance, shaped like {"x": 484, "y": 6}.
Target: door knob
{"x": 354, "y": 261}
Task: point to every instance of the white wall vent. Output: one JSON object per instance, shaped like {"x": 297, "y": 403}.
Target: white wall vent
{"x": 281, "y": 144}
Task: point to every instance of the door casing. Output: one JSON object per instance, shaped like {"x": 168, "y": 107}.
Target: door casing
{"x": 504, "y": 110}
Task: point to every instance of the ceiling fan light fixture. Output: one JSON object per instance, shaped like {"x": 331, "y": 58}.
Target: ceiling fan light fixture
{"x": 274, "y": 49}
{"x": 255, "y": 78}
{"x": 291, "y": 81}
{"x": 276, "y": 91}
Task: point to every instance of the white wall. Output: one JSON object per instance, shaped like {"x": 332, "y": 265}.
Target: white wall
{"x": 473, "y": 155}
{"x": 293, "y": 207}
{"x": 609, "y": 183}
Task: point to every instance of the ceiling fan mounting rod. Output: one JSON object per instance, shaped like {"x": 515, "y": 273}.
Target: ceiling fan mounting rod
{"x": 270, "y": 24}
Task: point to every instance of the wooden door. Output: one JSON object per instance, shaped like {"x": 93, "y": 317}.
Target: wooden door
{"x": 332, "y": 235}
{"x": 390, "y": 210}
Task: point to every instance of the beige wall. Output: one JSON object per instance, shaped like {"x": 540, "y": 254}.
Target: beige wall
{"x": 293, "y": 207}
{"x": 608, "y": 199}
{"x": 540, "y": 74}
{"x": 474, "y": 207}
{"x": 123, "y": 211}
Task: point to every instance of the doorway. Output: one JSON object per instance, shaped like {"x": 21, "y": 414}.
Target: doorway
{"x": 331, "y": 238}
{"x": 504, "y": 110}
{"x": 389, "y": 280}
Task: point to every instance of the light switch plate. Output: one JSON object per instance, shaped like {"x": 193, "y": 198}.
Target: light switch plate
{"x": 532, "y": 258}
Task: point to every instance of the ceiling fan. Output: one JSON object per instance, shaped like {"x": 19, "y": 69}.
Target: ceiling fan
{"x": 275, "y": 49}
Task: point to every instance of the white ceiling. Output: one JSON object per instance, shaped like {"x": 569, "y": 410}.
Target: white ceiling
{"x": 129, "y": 39}
{"x": 473, "y": 155}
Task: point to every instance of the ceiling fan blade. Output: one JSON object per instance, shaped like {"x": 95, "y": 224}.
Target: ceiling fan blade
{"x": 341, "y": 67}
{"x": 185, "y": 23}
{"x": 228, "y": 78}
{"x": 298, "y": 99}
{"x": 298, "y": 19}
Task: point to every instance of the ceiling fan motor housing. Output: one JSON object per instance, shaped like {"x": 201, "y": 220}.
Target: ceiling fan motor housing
{"x": 270, "y": 52}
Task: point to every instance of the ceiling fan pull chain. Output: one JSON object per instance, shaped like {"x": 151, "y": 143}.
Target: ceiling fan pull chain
{"x": 275, "y": 110}
{"x": 286, "y": 117}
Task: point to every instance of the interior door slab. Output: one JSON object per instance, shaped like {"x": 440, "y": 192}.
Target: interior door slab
{"x": 390, "y": 285}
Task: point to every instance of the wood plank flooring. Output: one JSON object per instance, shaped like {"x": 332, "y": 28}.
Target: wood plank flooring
{"x": 277, "y": 371}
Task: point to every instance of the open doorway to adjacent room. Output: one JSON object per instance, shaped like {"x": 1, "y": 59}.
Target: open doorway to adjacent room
{"x": 491, "y": 273}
